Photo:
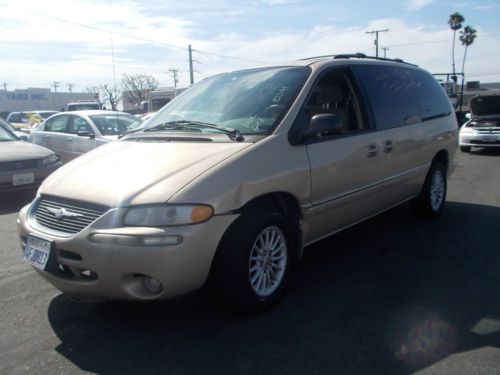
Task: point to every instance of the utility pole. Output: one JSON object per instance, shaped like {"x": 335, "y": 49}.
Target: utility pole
{"x": 56, "y": 85}
{"x": 376, "y": 38}
{"x": 70, "y": 87}
{"x": 174, "y": 73}
{"x": 385, "y": 51}
{"x": 191, "y": 73}
{"x": 5, "y": 86}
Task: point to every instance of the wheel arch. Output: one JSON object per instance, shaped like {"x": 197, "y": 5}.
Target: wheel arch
{"x": 442, "y": 156}
{"x": 287, "y": 205}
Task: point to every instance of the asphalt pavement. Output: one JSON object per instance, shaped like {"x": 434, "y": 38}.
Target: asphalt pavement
{"x": 393, "y": 295}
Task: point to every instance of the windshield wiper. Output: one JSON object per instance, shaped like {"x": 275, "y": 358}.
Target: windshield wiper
{"x": 196, "y": 125}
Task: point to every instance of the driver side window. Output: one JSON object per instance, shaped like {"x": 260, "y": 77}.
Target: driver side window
{"x": 334, "y": 94}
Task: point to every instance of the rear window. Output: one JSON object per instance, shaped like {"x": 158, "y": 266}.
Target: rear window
{"x": 114, "y": 124}
{"x": 432, "y": 100}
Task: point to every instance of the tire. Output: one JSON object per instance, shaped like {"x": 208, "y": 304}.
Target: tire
{"x": 252, "y": 262}
{"x": 465, "y": 148}
{"x": 430, "y": 202}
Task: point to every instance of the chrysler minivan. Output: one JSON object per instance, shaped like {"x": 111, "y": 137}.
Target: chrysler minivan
{"x": 228, "y": 183}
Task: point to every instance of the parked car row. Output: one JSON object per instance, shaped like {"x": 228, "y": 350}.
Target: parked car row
{"x": 226, "y": 184}
{"x": 57, "y": 140}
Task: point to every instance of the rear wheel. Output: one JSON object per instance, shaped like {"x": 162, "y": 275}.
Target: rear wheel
{"x": 465, "y": 148}
{"x": 430, "y": 201}
{"x": 253, "y": 260}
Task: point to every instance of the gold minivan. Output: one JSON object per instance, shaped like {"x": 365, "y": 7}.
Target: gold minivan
{"x": 230, "y": 181}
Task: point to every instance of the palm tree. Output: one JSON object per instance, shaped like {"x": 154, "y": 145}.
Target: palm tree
{"x": 467, "y": 37}
{"x": 455, "y": 23}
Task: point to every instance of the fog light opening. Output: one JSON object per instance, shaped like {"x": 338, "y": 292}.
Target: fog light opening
{"x": 152, "y": 285}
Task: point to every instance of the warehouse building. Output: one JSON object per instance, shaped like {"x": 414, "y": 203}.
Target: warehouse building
{"x": 39, "y": 99}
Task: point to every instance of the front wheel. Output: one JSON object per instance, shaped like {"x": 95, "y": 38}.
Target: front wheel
{"x": 252, "y": 262}
{"x": 430, "y": 201}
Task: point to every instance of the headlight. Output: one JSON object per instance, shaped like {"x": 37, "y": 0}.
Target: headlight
{"x": 51, "y": 159}
{"x": 167, "y": 215}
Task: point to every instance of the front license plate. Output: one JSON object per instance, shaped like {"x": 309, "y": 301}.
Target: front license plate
{"x": 489, "y": 139}
{"x": 37, "y": 252}
{"x": 23, "y": 179}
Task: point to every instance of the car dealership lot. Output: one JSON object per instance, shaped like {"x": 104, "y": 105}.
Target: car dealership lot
{"x": 393, "y": 295}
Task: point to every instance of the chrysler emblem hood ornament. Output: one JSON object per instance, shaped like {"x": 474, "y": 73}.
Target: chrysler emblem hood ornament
{"x": 60, "y": 213}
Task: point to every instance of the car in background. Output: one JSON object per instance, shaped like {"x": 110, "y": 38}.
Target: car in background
{"x": 83, "y": 105}
{"x": 26, "y": 119}
{"x": 483, "y": 127}
{"x": 18, "y": 134}
{"x": 72, "y": 134}
{"x": 23, "y": 165}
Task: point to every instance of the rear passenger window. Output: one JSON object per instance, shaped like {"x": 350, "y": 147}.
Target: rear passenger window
{"x": 391, "y": 94}
{"x": 56, "y": 124}
{"x": 431, "y": 98}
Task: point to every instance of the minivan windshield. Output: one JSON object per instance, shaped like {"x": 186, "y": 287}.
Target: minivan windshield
{"x": 249, "y": 101}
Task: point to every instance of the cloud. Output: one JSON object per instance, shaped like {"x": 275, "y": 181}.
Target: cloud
{"x": 416, "y": 5}
{"x": 42, "y": 50}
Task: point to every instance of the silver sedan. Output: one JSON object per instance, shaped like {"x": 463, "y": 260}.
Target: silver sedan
{"x": 71, "y": 134}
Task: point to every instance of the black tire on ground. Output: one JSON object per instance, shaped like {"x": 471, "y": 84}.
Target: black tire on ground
{"x": 231, "y": 272}
{"x": 430, "y": 202}
{"x": 465, "y": 148}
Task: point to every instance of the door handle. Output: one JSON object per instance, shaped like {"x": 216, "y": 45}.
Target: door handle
{"x": 372, "y": 150}
{"x": 47, "y": 136}
{"x": 69, "y": 139}
{"x": 388, "y": 145}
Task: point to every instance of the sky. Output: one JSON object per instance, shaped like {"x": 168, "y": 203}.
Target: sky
{"x": 87, "y": 43}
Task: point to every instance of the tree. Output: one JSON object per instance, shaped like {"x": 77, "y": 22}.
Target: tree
{"x": 136, "y": 87}
{"x": 455, "y": 23}
{"x": 467, "y": 37}
{"x": 111, "y": 95}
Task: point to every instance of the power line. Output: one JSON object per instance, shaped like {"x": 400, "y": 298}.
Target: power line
{"x": 172, "y": 46}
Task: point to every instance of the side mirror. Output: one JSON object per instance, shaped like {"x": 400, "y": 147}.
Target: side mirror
{"x": 323, "y": 125}
{"x": 84, "y": 133}
{"x": 468, "y": 116}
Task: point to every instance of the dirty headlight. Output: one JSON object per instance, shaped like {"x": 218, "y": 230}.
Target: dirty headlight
{"x": 167, "y": 215}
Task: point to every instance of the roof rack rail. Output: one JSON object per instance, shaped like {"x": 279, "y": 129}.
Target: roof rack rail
{"x": 363, "y": 56}
{"x": 358, "y": 55}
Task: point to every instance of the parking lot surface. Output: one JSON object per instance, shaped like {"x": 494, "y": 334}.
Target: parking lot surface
{"x": 393, "y": 295}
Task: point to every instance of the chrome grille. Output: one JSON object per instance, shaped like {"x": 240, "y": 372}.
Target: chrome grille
{"x": 65, "y": 215}
{"x": 20, "y": 164}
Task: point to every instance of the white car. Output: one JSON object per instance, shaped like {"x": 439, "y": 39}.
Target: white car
{"x": 483, "y": 127}
{"x": 71, "y": 134}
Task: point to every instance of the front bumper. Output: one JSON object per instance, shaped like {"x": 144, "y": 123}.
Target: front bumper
{"x": 39, "y": 174}
{"x": 477, "y": 139}
{"x": 108, "y": 269}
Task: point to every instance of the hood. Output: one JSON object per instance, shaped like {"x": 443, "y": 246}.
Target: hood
{"x": 22, "y": 150}
{"x": 125, "y": 172}
{"x": 485, "y": 105}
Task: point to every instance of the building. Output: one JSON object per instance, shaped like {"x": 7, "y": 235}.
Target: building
{"x": 38, "y": 99}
